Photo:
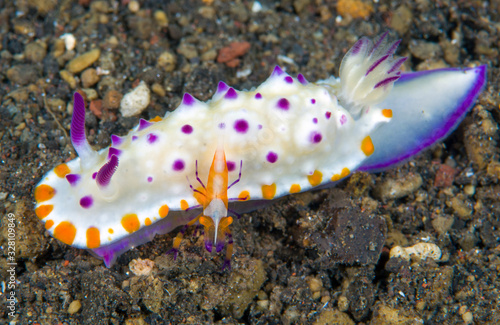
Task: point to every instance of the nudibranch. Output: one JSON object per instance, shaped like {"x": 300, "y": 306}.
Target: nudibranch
{"x": 286, "y": 136}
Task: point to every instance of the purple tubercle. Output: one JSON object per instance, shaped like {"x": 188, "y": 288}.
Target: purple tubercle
{"x": 316, "y": 137}
{"x": 328, "y": 115}
{"x": 78, "y": 138}
{"x": 143, "y": 124}
{"x": 94, "y": 175}
{"x": 277, "y": 71}
{"x": 222, "y": 125}
{"x": 106, "y": 172}
{"x": 86, "y": 201}
{"x": 152, "y": 138}
{"x": 222, "y": 87}
{"x": 272, "y": 157}
{"x": 258, "y": 96}
{"x": 313, "y": 101}
{"x": 113, "y": 151}
{"x": 376, "y": 64}
{"x": 283, "y": 104}
{"x": 302, "y": 79}
{"x": 241, "y": 126}
{"x": 230, "y": 165}
{"x": 231, "y": 94}
{"x": 343, "y": 119}
{"x": 289, "y": 80}
{"x": 134, "y": 137}
{"x": 386, "y": 81}
{"x": 187, "y": 129}
{"x": 178, "y": 165}
{"x": 150, "y": 179}
{"x": 73, "y": 179}
{"x": 188, "y": 100}
{"x": 315, "y": 120}
{"x": 116, "y": 140}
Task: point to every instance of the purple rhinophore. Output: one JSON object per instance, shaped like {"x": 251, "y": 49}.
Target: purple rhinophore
{"x": 78, "y": 138}
{"x": 315, "y": 120}
{"x": 313, "y": 101}
{"x": 150, "y": 179}
{"x": 188, "y": 100}
{"x": 316, "y": 137}
{"x": 143, "y": 124}
{"x": 113, "y": 151}
{"x": 379, "y": 41}
{"x": 283, "y": 104}
{"x": 343, "y": 119}
{"x": 134, "y": 137}
{"x": 376, "y": 64}
{"x": 259, "y": 126}
{"x": 178, "y": 165}
{"x": 386, "y": 81}
{"x": 116, "y": 140}
{"x": 277, "y": 71}
{"x": 288, "y": 79}
{"x": 187, "y": 129}
{"x": 397, "y": 64}
{"x": 356, "y": 48}
{"x": 258, "y": 95}
{"x": 73, "y": 179}
{"x": 302, "y": 79}
{"x": 86, "y": 201}
{"x": 272, "y": 157}
{"x": 328, "y": 115}
{"x": 231, "y": 94}
{"x": 222, "y": 87}
{"x": 222, "y": 125}
{"x": 241, "y": 126}
{"x": 152, "y": 138}
{"x": 94, "y": 175}
{"x": 106, "y": 172}
{"x": 230, "y": 165}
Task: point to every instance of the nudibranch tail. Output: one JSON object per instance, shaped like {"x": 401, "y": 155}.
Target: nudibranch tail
{"x": 368, "y": 72}
{"x": 88, "y": 156}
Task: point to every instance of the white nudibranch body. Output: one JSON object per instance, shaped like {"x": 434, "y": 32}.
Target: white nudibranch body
{"x": 285, "y": 136}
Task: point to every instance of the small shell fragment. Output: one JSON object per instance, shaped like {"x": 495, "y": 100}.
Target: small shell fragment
{"x": 419, "y": 250}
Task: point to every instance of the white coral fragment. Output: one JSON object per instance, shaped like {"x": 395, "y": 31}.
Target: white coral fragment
{"x": 420, "y": 251}
{"x": 368, "y": 72}
{"x": 136, "y": 101}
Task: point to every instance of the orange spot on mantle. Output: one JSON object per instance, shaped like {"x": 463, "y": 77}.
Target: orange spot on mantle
{"x": 65, "y": 232}
{"x": 93, "y": 237}
{"x": 43, "y": 211}
{"x": 316, "y": 178}
{"x": 269, "y": 191}
{"x": 163, "y": 212}
{"x": 130, "y": 222}
{"x": 44, "y": 193}
{"x": 62, "y": 170}
{"x": 367, "y": 146}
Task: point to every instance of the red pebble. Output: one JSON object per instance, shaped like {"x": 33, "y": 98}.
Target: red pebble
{"x": 233, "y": 51}
{"x": 445, "y": 176}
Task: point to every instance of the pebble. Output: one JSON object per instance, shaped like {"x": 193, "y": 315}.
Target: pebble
{"x": 419, "y": 250}
{"x": 424, "y": 50}
{"x": 134, "y": 6}
{"x": 112, "y": 99}
{"x": 187, "y": 50}
{"x": 354, "y": 8}
{"x": 161, "y": 18}
{"x": 442, "y": 224}
{"x": 401, "y": 20}
{"x": 141, "y": 267}
{"x": 158, "y": 89}
{"x": 135, "y": 101}
{"x": 468, "y": 317}
{"x": 167, "y": 61}
{"x": 234, "y": 50}
{"x": 59, "y": 48}
{"x": 22, "y": 74}
{"x": 83, "y": 61}
{"x": 69, "y": 41}
{"x": 398, "y": 188}
{"x": 74, "y": 307}
{"x": 445, "y": 176}
{"x": 35, "y": 51}
{"x": 89, "y": 77}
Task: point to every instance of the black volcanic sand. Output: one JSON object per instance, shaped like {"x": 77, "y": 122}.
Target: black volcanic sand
{"x": 320, "y": 257}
